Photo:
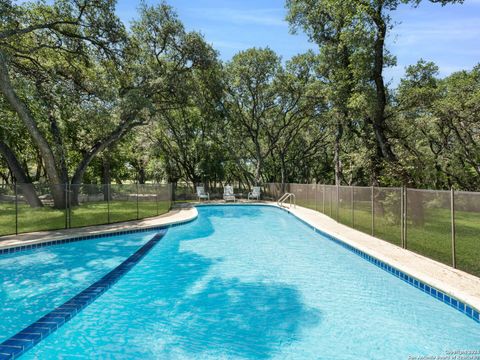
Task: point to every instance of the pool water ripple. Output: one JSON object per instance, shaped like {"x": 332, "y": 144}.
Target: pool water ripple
{"x": 34, "y": 282}
{"x": 252, "y": 282}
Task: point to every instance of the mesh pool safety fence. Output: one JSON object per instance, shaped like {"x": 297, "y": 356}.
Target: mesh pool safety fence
{"x": 440, "y": 224}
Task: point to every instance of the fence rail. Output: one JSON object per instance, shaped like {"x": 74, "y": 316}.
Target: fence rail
{"x": 441, "y": 224}
{"x": 36, "y": 207}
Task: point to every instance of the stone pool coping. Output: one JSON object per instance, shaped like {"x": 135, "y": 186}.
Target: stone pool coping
{"x": 176, "y": 215}
{"x": 456, "y": 283}
{"x": 27, "y": 338}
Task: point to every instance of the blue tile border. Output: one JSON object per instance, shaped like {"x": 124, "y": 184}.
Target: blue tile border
{"x": 464, "y": 308}
{"x": 14, "y": 249}
{"x": 34, "y": 333}
{"x": 27, "y": 338}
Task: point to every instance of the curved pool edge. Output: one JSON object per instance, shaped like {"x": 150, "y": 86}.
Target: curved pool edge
{"x": 448, "y": 291}
{"x": 37, "y": 331}
{"x": 176, "y": 217}
{"x": 30, "y": 336}
{"x": 445, "y": 291}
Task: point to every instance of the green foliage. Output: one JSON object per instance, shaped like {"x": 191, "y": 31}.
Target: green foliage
{"x": 154, "y": 102}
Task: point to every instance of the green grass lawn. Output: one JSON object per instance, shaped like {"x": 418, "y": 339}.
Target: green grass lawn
{"x": 94, "y": 213}
{"x": 433, "y": 239}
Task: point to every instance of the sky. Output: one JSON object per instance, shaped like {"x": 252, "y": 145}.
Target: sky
{"x": 448, "y": 35}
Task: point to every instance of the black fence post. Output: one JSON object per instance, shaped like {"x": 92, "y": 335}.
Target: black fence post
{"x": 66, "y": 204}
{"x": 16, "y": 208}
{"x": 402, "y": 218}
{"x": 157, "y": 186}
{"x": 137, "y": 201}
{"x": 452, "y": 214}
{"x": 373, "y": 211}
{"x": 405, "y": 218}
{"x": 338, "y": 202}
{"x": 108, "y": 202}
{"x": 353, "y": 206}
{"x": 70, "y": 204}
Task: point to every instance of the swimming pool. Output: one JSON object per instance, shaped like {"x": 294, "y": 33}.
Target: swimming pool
{"x": 254, "y": 282}
{"x": 34, "y": 282}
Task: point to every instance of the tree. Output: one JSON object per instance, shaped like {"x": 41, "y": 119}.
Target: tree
{"x": 299, "y": 115}
{"x": 37, "y": 39}
{"x": 184, "y": 99}
{"x": 266, "y": 103}
{"x": 12, "y": 141}
{"x": 439, "y": 124}
{"x": 81, "y": 50}
{"x": 357, "y": 30}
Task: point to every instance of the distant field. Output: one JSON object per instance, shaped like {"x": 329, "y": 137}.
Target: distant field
{"x": 93, "y": 213}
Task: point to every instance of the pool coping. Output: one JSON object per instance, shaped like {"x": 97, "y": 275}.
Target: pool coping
{"x": 436, "y": 278}
{"x": 18, "y": 344}
{"x": 24, "y": 340}
{"x": 49, "y": 238}
{"x": 440, "y": 289}
{"x": 38, "y": 330}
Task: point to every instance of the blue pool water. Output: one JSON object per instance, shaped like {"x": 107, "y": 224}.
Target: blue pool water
{"x": 34, "y": 282}
{"x": 252, "y": 282}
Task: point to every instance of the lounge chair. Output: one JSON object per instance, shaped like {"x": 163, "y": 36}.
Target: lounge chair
{"x": 228, "y": 193}
{"x": 201, "y": 194}
{"x": 255, "y": 193}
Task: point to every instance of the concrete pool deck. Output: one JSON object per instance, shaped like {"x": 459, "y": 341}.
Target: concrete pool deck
{"x": 457, "y": 283}
{"x": 178, "y": 214}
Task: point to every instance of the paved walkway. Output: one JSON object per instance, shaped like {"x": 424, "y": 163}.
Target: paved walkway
{"x": 176, "y": 215}
{"x": 455, "y": 282}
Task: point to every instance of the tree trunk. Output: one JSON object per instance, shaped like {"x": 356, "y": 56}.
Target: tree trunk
{"x": 377, "y": 166}
{"x": 106, "y": 178}
{"x": 26, "y": 116}
{"x": 126, "y": 124}
{"x": 38, "y": 172}
{"x": 141, "y": 174}
{"x": 378, "y": 119}
{"x": 258, "y": 167}
{"x": 25, "y": 186}
{"x": 282, "y": 172}
{"x": 416, "y": 208}
{"x": 338, "y": 163}
{"x": 58, "y": 148}
{"x": 257, "y": 172}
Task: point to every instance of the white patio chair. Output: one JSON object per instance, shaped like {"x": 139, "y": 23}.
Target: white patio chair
{"x": 228, "y": 193}
{"x": 255, "y": 193}
{"x": 201, "y": 194}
